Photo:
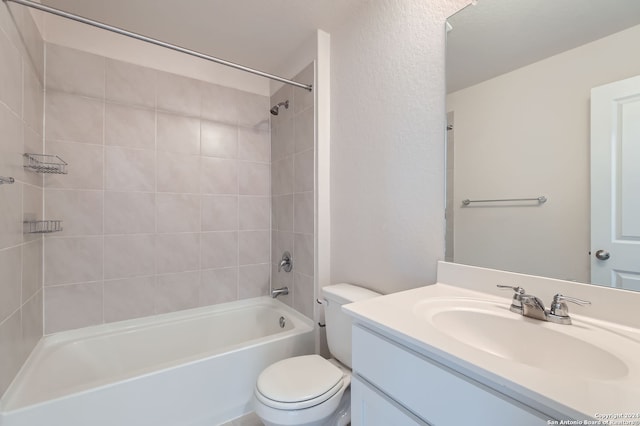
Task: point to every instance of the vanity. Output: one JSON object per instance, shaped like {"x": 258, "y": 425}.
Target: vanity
{"x": 454, "y": 353}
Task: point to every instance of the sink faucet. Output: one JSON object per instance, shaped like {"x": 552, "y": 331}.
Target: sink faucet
{"x": 530, "y": 306}
{"x": 533, "y": 307}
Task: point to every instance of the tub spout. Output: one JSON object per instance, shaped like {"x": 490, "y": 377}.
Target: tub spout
{"x": 278, "y": 291}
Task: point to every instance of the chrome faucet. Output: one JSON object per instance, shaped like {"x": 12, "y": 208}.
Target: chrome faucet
{"x": 530, "y": 306}
{"x": 278, "y": 291}
{"x": 285, "y": 263}
{"x": 559, "y": 312}
{"x": 533, "y": 307}
{"x": 516, "y": 302}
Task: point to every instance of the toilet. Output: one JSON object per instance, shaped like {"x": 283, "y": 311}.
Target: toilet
{"x": 310, "y": 390}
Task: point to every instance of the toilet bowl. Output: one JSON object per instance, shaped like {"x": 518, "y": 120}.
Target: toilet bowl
{"x": 305, "y": 390}
{"x": 310, "y": 390}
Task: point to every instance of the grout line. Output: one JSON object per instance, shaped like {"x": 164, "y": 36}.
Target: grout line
{"x": 200, "y": 197}
{"x": 43, "y": 144}
{"x": 104, "y": 174}
{"x": 237, "y": 195}
{"x": 155, "y": 191}
{"x": 18, "y": 310}
{"x": 84, "y": 284}
{"x": 21, "y": 281}
{"x": 155, "y": 150}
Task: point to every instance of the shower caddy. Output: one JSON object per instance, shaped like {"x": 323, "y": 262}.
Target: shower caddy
{"x": 50, "y": 164}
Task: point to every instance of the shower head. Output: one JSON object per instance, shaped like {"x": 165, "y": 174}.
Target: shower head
{"x": 276, "y": 108}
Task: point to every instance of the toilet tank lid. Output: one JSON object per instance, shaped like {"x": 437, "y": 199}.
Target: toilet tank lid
{"x": 347, "y": 293}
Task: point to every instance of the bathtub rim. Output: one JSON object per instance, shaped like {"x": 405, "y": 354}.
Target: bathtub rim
{"x": 181, "y": 315}
{"x": 301, "y": 324}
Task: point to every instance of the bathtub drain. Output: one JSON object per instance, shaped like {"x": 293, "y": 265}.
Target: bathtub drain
{"x": 282, "y": 322}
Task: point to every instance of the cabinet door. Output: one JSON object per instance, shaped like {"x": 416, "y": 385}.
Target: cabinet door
{"x": 370, "y": 408}
{"x": 433, "y": 391}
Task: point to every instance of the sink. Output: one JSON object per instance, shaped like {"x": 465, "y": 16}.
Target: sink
{"x": 563, "y": 371}
{"x": 491, "y": 328}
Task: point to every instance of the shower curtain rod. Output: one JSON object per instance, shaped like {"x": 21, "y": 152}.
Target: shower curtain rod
{"x": 140, "y": 37}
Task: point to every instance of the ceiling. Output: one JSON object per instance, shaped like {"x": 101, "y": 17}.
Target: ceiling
{"x": 256, "y": 33}
{"x": 498, "y": 36}
{"x": 488, "y": 39}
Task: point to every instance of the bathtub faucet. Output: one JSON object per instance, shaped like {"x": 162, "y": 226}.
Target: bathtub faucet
{"x": 278, "y": 291}
{"x": 285, "y": 263}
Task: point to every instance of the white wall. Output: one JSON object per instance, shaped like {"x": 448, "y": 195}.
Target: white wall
{"x": 306, "y": 53}
{"x": 94, "y": 40}
{"x": 526, "y": 133}
{"x": 387, "y": 144}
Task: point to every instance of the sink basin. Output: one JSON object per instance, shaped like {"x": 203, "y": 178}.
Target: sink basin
{"x": 562, "y": 371}
{"x": 493, "y": 329}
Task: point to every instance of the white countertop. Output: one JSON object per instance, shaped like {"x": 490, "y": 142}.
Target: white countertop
{"x": 561, "y": 392}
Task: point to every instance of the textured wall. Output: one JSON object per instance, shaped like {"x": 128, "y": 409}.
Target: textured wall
{"x": 21, "y": 112}
{"x": 387, "y": 144}
{"x": 167, "y": 202}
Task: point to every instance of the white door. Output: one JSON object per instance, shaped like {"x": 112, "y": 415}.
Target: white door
{"x": 615, "y": 184}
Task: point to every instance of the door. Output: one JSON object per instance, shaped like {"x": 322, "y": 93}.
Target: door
{"x": 615, "y": 184}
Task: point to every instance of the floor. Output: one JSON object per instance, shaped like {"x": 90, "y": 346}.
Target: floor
{"x": 247, "y": 420}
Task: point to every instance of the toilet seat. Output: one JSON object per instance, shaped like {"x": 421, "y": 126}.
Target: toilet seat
{"x": 299, "y": 382}
{"x": 300, "y": 404}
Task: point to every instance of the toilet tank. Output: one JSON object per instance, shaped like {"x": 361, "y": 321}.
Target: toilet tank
{"x": 338, "y": 323}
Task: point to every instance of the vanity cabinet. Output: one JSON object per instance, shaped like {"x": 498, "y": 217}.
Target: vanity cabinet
{"x": 369, "y": 406}
{"x": 393, "y": 384}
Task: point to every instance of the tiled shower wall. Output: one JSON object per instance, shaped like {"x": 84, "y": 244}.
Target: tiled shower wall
{"x": 292, "y": 170}
{"x": 167, "y": 203}
{"x": 21, "y": 116}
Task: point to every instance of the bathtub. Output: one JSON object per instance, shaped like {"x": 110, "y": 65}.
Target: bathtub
{"x": 187, "y": 368}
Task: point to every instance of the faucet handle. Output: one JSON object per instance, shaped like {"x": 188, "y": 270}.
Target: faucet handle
{"x": 560, "y": 298}
{"x": 559, "y": 312}
{"x": 516, "y": 302}
{"x": 518, "y": 290}
{"x": 285, "y": 263}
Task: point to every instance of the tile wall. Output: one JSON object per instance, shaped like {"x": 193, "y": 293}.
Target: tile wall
{"x": 292, "y": 170}
{"x": 167, "y": 203}
{"x": 21, "y": 118}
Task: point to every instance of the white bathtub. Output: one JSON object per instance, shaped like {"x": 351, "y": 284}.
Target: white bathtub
{"x": 188, "y": 368}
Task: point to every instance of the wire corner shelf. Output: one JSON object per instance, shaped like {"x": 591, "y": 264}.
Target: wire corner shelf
{"x": 45, "y": 163}
{"x": 42, "y": 226}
